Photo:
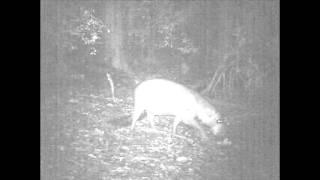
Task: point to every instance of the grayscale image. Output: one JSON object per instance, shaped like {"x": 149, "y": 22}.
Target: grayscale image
{"x": 160, "y": 90}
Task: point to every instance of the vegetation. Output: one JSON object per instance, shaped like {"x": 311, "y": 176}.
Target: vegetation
{"x": 93, "y": 53}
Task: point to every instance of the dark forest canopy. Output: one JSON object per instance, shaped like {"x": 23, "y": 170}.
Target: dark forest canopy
{"x": 233, "y": 46}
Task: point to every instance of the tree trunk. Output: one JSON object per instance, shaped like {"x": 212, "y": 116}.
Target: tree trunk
{"x": 115, "y": 17}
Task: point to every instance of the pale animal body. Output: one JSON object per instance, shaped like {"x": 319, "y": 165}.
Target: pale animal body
{"x": 164, "y": 97}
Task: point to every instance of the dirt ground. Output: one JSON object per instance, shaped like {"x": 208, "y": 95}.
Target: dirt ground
{"x": 87, "y": 135}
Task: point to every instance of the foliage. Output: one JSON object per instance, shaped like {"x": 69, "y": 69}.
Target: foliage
{"x": 160, "y": 22}
{"x": 168, "y": 36}
{"x": 86, "y": 28}
{"x": 86, "y": 135}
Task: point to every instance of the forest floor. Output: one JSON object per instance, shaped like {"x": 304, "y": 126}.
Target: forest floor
{"x": 85, "y": 135}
